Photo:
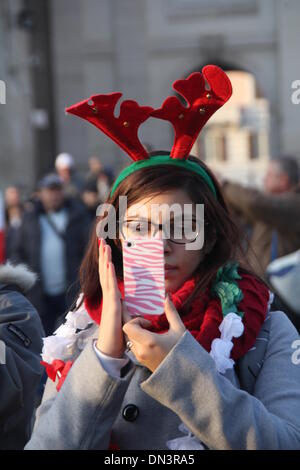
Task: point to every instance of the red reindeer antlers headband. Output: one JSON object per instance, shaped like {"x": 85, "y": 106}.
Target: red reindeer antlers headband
{"x": 187, "y": 121}
{"x": 99, "y": 110}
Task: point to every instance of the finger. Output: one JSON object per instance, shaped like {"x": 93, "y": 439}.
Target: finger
{"x": 108, "y": 250}
{"x": 126, "y": 317}
{"x": 129, "y": 317}
{"x": 101, "y": 261}
{"x": 135, "y": 330}
{"x": 141, "y": 321}
{"x": 172, "y": 315}
{"x": 104, "y": 265}
{"x": 107, "y": 260}
{"x": 113, "y": 283}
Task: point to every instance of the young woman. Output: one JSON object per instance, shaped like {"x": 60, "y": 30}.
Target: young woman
{"x": 178, "y": 380}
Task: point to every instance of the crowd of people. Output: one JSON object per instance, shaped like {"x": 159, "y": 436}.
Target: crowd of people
{"x": 48, "y": 232}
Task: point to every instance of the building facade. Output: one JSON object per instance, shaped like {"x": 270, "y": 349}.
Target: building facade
{"x": 140, "y": 47}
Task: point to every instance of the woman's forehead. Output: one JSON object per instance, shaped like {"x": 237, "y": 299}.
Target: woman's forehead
{"x": 176, "y": 200}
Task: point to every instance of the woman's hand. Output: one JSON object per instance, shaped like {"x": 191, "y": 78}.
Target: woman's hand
{"x": 111, "y": 338}
{"x": 149, "y": 348}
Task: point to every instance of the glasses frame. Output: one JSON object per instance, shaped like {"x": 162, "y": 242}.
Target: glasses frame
{"x": 157, "y": 227}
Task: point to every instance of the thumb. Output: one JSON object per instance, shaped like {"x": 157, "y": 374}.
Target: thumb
{"x": 172, "y": 315}
{"x": 126, "y": 317}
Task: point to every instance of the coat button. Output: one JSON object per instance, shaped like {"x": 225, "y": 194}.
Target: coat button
{"x": 130, "y": 412}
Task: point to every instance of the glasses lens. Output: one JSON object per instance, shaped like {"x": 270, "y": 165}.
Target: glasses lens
{"x": 184, "y": 232}
{"x": 136, "y": 228}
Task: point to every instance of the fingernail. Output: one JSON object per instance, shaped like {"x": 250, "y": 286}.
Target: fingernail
{"x": 99, "y": 242}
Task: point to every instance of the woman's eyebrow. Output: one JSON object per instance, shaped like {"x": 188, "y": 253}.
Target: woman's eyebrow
{"x": 136, "y": 216}
{"x": 148, "y": 220}
{"x": 184, "y": 218}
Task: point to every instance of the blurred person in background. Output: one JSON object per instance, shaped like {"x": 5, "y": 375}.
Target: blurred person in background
{"x": 95, "y": 167}
{"x": 51, "y": 242}
{"x": 275, "y": 218}
{"x": 97, "y": 186}
{"x": 65, "y": 168}
{"x": 274, "y": 213}
{"x": 90, "y": 199}
{"x": 21, "y": 335}
{"x": 100, "y": 176}
{"x": 13, "y": 217}
{"x": 282, "y": 175}
{"x": 104, "y": 181}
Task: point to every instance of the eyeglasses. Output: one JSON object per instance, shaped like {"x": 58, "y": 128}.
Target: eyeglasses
{"x": 178, "y": 232}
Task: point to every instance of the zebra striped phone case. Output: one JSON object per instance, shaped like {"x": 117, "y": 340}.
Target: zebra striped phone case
{"x": 144, "y": 277}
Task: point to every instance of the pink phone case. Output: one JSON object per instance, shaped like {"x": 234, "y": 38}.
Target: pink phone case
{"x": 144, "y": 277}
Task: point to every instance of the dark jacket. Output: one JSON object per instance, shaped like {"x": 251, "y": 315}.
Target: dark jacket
{"x": 21, "y": 335}
{"x": 28, "y": 245}
{"x": 267, "y": 213}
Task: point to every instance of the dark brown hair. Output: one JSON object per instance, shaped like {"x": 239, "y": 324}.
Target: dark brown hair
{"x": 156, "y": 180}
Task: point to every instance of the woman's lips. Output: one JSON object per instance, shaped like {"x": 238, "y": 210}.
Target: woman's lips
{"x": 168, "y": 267}
{"x": 170, "y": 270}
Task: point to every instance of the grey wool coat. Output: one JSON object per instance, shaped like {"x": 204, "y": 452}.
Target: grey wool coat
{"x": 21, "y": 335}
{"x": 88, "y": 411}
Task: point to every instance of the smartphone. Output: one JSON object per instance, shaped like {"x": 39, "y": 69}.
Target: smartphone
{"x": 144, "y": 276}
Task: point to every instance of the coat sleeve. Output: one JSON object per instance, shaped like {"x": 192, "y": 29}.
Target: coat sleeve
{"x": 223, "y": 416}
{"x": 69, "y": 419}
{"x": 279, "y": 211}
{"x": 21, "y": 334}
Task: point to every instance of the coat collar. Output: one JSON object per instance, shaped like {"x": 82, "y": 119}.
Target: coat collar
{"x": 19, "y": 276}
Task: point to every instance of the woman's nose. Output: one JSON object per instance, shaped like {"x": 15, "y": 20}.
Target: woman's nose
{"x": 167, "y": 245}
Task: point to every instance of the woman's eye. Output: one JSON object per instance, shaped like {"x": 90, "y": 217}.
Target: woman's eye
{"x": 131, "y": 225}
{"x": 137, "y": 226}
{"x": 183, "y": 228}
{"x": 177, "y": 229}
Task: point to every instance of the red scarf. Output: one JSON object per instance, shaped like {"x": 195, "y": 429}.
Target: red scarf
{"x": 205, "y": 314}
{"x": 202, "y": 320}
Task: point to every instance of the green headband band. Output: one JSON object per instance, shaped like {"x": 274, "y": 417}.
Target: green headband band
{"x": 164, "y": 160}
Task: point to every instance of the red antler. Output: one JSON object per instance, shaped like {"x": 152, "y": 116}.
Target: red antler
{"x": 188, "y": 121}
{"x": 99, "y": 110}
